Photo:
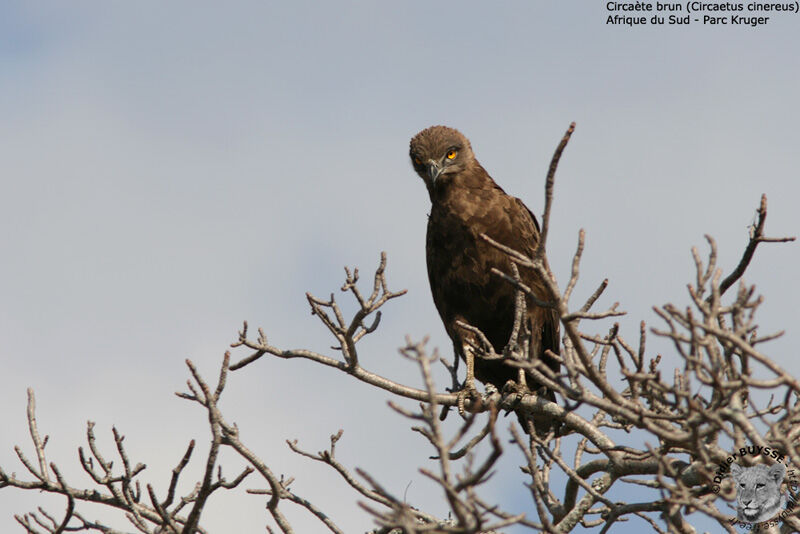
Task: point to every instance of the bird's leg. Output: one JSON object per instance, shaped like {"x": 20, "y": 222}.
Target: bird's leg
{"x": 523, "y": 384}
{"x": 518, "y": 341}
{"x": 469, "y": 389}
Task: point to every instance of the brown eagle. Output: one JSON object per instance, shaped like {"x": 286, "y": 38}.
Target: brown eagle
{"x": 465, "y": 203}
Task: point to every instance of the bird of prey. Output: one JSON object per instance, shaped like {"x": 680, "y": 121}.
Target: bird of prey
{"x": 465, "y": 203}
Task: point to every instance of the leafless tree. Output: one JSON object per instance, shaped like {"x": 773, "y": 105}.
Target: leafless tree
{"x": 691, "y": 419}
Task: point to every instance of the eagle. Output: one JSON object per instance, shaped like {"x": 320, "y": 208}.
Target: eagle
{"x": 466, "y": 203}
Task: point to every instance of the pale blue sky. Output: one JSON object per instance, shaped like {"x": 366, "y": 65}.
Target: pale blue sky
{"x": 169, "y": 171}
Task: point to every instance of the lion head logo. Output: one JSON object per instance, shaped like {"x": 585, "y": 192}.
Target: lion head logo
{"x": 758, "y": 491}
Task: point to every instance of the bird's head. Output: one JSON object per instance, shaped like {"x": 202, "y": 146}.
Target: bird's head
{"x": 438, "y": 153}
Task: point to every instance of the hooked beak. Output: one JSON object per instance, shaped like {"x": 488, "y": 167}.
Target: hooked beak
{"x": 434, "y": 170}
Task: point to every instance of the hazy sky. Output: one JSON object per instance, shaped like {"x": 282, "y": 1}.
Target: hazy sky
{"x": 168, "y": 171}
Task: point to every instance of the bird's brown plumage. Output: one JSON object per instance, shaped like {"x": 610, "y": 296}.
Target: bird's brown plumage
{"x": 465, "y": 203}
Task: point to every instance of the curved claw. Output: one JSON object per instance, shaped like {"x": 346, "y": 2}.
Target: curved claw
{"x": 470, "y": 391}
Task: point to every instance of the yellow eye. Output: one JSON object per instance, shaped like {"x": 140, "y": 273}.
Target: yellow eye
{"x": 451, "y": 154}
{"x": 417, "y": 161}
